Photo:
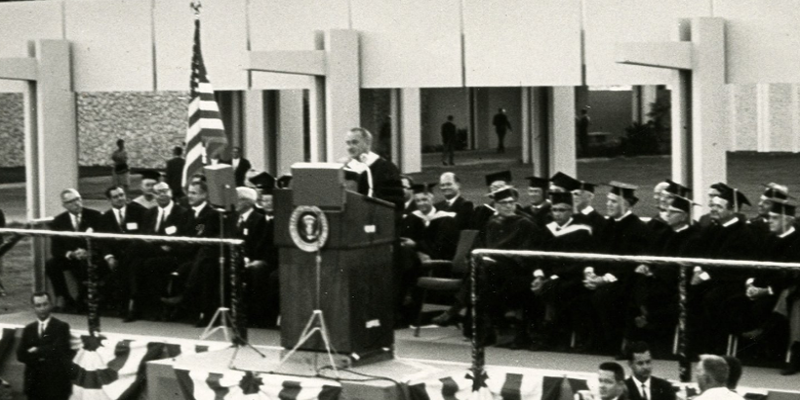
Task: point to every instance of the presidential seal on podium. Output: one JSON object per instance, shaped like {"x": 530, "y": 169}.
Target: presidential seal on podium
{"x": 308, "y": 228}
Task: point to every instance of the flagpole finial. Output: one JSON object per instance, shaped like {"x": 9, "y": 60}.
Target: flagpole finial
{"x": 196, "y": 5}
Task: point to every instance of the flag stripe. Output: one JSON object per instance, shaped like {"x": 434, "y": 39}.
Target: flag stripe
{"x": 204, "y": 120}
{"x": 511, "y": 386}
{"x": 449, "y": 388}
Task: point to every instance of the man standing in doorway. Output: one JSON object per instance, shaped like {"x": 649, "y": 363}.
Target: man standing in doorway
{"x": 448, "y": 140}
{"x": 501, "y": 125}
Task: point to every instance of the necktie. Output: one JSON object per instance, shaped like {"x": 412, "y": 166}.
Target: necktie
{"x": 159, "y": 224}
{"x": 240, "y": 225}
{"x": 644, "y": 392}
{"x": 77, "y": 222}
{"x": 41, "y": 329}
{"x": 119, "y": 217}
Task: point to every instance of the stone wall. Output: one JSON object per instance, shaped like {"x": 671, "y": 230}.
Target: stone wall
{"x": 151, "y": 124}
{"x": 12, "y": 130}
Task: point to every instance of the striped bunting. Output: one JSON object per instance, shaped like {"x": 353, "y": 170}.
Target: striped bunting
{"x": 236, "y": 385}
{"x": 205, "y": 135}
{"x": 115, "y": 369}
{"x": 499, "y": 384}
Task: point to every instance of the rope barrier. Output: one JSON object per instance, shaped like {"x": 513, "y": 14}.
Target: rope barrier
{"x": 683, "y": 263}
{"x": 116, "y": 236}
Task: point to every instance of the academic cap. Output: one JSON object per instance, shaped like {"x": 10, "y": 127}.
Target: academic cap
{"x": 775, "y": 191}
{"x": 423, "y": 187}
{"x": 504, "y": 193}
{"x": 589, "y": 187}
{"x": 782, "y": 208}
{"x": 152, "y": 175}
{"x": 504, "y": 176}
{"x": 535, "y": 181}
{"x": 734, "y": 197}
{"x": 284, "y": 181}
{"x": 677, "y": 189}
{"x": 681, "y": 203}
{"x": 565, "y": 181}
{"x": 264, "y": 182}
{"x": 624, "y": 190}
{"x": 561, "y": 198}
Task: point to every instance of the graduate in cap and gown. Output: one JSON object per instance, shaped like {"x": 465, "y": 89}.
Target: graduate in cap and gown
{"x": 539, "y": 209}
{"x": 624, "y": 234}
{"x": 559, "y": 283}
{"x": 507, "y": 280}
{"x": 481, "y": 215}
{"x": 729, "y": 237}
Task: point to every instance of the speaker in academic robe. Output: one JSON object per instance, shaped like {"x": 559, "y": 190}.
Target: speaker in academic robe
{"x": 357, "y": 233}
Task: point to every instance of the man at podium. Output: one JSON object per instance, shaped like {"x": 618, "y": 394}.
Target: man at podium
{"x": 379, "y": 177}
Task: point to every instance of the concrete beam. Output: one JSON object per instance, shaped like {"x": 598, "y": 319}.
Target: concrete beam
{"x": 309, "y": 62}
{"x": 342, "y": 90}
{"x": 19, "y": 69}
{"x": 671, "y": 55}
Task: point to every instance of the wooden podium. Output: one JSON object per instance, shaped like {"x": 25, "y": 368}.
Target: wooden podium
{"x": 355, "y": 286}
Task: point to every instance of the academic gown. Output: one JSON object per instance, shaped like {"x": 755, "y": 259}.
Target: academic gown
{"x": 541, "y": 214}
{"x": 463, "y": 209}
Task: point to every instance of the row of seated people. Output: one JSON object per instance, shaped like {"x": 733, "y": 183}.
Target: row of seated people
{"x": 168, "y": 280}
{"x": 609, "y": 303}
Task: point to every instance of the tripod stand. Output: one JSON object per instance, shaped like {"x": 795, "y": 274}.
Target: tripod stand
{"x": 316, "y": 323}
{"x": 222, "y": 314}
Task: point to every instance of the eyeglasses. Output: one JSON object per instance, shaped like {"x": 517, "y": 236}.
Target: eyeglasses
{"x": 71, "y": 201}
{"x": 561, "y": 209}
{"x": 506, "y": 202}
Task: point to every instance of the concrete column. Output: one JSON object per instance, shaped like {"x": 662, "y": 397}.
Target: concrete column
{"x": 648, "y": 93}
{"x": 525, "y": 129}
{"x": 410, "y": 131}
{"x": 636, "y": 104}
{"x": 52, "y": 148}
{"x": 290, "y": 130}
{"x": 709, "y": 137}
{"x": 562, "y": 131}
{"x": 540, "y": 133}
{"x": 341, "y": 90}
{"x": 316, "y": 119}
{"x": 681, "y": 123}
{"x": 255, "y": 137}
{"x": 394, "y": 112}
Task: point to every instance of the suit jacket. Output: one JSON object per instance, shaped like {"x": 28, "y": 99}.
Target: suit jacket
{"x": 48, "y": 371}
{"x": 205, "y": 225}
{"x": 463, "y": 209}
{"x": 133, "y": 224}
{"x": 660, "y": 389}
{"x": 175, "y": 175}
{"x": 175, "y": 220}
{"x": 254, "y": 233}
{"x": 90, "y": 219}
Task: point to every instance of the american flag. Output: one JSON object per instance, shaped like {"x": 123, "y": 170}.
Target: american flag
{"x": 205, "y": 137}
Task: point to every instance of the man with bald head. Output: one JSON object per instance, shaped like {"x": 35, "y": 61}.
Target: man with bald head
{"x": 450, "y": 186}
{"x": 70, "y": 254}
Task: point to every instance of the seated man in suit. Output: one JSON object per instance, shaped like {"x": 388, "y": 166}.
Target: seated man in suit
{"x": 70, "y": 254}
{"x": 152, "y": 263}
{"x": 453, "y": 201}
{"x": 260, "y": 260}
{"x": 642, "y": 385}
{"x": 198, "y": 280}
{"x": 121, "y": 218}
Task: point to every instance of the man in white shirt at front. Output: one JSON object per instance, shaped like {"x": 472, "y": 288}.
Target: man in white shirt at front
{"x": 711, "y": 376}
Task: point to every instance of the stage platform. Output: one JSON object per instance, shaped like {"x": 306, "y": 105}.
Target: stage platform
{"x": 438, "y": 352}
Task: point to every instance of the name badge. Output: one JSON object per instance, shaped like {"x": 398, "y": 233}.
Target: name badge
{"x": 131, "y": 226}
{"x": 245, "y": 231}
{"x": 170, "y": 230}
